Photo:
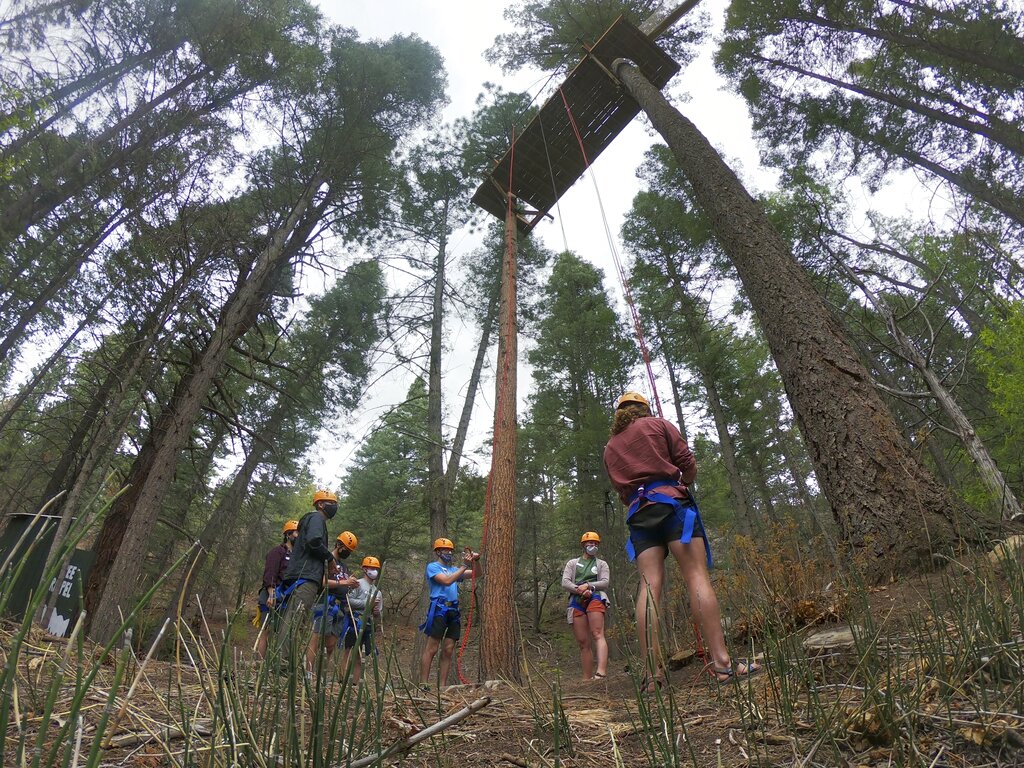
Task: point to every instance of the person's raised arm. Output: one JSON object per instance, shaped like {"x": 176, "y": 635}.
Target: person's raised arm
{"x": 438, "y": 575}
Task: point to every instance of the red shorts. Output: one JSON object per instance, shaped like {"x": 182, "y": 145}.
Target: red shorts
{"x": 594, "y": 606}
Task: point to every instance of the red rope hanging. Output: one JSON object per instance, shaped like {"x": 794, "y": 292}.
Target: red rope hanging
{"x": 623, "y": 280}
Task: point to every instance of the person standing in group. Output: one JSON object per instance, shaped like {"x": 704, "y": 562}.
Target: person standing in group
{"x": 331, "y": 608}
{"x": 443, "y": 625}
{"x": 304, "y": 577}
{"x": 275, "y": 565}
{"x": 366, "y": 604}
{"x": 650, "y": 465}
{"x": 586, "y": 578}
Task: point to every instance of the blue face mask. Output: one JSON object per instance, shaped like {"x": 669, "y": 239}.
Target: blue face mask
{"x": 447, "y": 557}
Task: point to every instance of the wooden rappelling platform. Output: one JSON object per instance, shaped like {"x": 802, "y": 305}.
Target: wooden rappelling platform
{"x": 546, "y": 159}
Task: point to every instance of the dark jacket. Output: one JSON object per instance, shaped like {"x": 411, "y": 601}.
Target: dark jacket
{"x": 310, "y": 550}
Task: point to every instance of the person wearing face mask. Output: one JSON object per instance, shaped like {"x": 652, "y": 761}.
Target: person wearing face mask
{"x": 586, "y": 578}
{"x": 443, "y": 622}
{"x": 367, "y": 605}
{"x": 331, "y": 610}
{"x": 275, "y": 565}
{"x": 305, "y": 573}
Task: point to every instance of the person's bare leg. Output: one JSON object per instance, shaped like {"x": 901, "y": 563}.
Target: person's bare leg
{"x": 357, "y": 667}
{"x": 704, "y": 602}
{"x": 651, "y": 564}
{"x": 581, "y": 631}
{"x": 345, "y": 653}
{"x": 311, "y": 652}
{"x": 429, "y": 651}
{"x": 263, "y": 640}
{"x": 447, "y": 649}
{"x": 596, "y": 619}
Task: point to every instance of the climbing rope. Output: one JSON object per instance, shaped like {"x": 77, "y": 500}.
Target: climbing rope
{"x": 623, "y": 280}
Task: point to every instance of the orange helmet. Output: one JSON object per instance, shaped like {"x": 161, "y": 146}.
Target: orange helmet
{"x": 291, "y": 525}
{"x": 322, "y": 494}
{"x": 444, "y": 543}
{"x": 590, "y": 536}
{"x": 371, "y": 562}
{"x": 631, "y": 397}
{"x": 349, "y": 540}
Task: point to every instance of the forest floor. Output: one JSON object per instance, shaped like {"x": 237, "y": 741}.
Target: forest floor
{"x": 932, "y": 674}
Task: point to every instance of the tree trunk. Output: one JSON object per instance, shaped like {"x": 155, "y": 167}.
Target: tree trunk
{"x": 117, "y": 576}
{"x": 885, "y": 502}
{"x": 220, "y": 520}
{"x": 499, "y": 647}
{"x": 107, "y": 435}
{"x": 452, "y": 473}
{"x": 437, "y": 497}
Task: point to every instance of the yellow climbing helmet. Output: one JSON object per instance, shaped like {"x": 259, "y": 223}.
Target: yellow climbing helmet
{"x": 291, "y": 525}
{"x": 590, "y": 536}
{"x": 631, "y": 397}
{"x": 322, "y": 494}
{"x": 349, "y": 540}
{"x": 444, "y": 543}
{"x": 371, "y": 562}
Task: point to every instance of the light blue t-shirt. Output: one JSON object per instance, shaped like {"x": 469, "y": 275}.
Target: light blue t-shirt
{"x": 449, "y": 592}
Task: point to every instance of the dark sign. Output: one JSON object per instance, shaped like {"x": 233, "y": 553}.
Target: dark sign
{"x": 69, "y": 593}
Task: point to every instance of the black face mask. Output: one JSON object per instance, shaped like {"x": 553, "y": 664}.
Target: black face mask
{"x": 330, "y": 509}
{"x": 344, "y": 553}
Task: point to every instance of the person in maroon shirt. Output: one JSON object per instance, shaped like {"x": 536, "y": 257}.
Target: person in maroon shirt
{"x": 273, "y": 573}
{"x": 650, "y": 465}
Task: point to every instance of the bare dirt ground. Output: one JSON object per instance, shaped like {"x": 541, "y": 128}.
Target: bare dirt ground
{"x": 551, "y": 717}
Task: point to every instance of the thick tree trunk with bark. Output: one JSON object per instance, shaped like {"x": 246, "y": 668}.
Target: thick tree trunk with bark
{"x": 117, "y": 574}
{"x": 499, "y": 647}
{"x": 885, "y": 502}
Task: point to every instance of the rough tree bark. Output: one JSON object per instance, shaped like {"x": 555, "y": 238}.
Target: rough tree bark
{"x": 499, "y": 646}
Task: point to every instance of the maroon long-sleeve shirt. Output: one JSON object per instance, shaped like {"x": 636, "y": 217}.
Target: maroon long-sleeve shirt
{"x": 648, "y": 449}
{"x": 277, "y": 562}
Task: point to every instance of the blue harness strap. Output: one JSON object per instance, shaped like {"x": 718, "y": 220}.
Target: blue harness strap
{"x": 439, "y": 608}
{"x": 687, "y": 512}
{"x": 281, "y": 595}
{"x": 333, "y": 607}
{"x": 347, "y": 625}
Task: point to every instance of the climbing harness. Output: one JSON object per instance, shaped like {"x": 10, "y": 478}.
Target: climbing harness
{"x": 441, "y": 609}
{"x": 687, "y": 512}
{"x": 332, "y": 607}
{"x": 281, "y": 595}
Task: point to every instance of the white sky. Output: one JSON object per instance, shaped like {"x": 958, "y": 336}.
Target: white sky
{"x": 461, "y": 30}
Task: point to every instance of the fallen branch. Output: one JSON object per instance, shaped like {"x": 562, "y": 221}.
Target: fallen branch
{"x": 406, "y": 744}
{"x": 199, "y": 728}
